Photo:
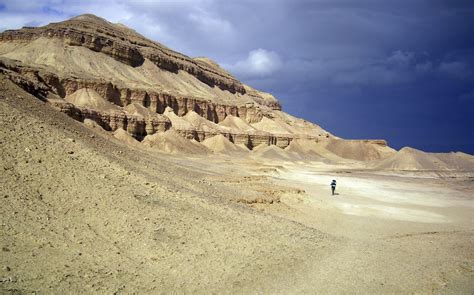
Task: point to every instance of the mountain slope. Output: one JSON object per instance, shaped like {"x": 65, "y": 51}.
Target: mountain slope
{"x": 83, "y": 213}
{"x": 416, "y": 160}
{"x": 95, "y": 70}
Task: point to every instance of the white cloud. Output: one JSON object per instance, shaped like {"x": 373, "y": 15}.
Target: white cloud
{"x": 259, "y": 63}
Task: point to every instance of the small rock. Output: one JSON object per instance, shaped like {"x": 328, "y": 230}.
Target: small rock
{"x": 7, "y": 268}
{"x": 27, "y": 150}
{"x": 70, "y": 152}
{"x": 92, "y": 136}
{"x": 5, "y": 249}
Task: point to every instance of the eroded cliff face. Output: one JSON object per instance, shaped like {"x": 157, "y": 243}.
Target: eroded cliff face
{"x": 154, "y": 100}
{"x": 57, "y": 61}
{"x": 124, "y": 45}
{"x": 45, "y": 84}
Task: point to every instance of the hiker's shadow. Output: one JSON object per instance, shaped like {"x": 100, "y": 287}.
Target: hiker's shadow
{"x": 336, "y": 194}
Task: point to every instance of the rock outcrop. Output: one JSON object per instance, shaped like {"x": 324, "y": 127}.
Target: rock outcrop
{"x": 137, "y": 126}
{"x": 124, "y": 45}
{"x": 92, "y": 69}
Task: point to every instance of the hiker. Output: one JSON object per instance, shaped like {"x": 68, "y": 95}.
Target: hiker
{"x": 333, "y": 186}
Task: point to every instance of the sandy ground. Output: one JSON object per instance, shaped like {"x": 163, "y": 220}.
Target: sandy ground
{"x": 394, "y": 234}
{"x": 408, "y": 234}
{"x": 84, "y": 213}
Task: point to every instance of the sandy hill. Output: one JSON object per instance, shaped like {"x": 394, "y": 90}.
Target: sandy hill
{"x": 312, "y": 150}
{"x": 173, "y": 143}
{"x": 178, "y": 122}
{"x": 358, "y": 150}
{"x": 220, "y": 144}
{"x": 200, "y": 123}
{"x": 457, "y": 160}
{"x": 138, "y": 110}
{"x": 413, "y": 159}
{"x": 273, "y": 152}
{"x": 89, "y": 98}
{"x": 274, "y": 126}
{"x": 259, "y": 147}
{"x": 299, "y": 126}
{"x": 237, "y": 125}
{"x": 123, "y": 136}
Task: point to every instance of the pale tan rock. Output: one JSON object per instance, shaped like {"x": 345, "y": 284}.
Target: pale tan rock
{"x": 221, "y": 144}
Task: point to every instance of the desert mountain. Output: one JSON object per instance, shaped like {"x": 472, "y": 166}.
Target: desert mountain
{"x": 415, "y": 160}
{"x": 92, "y": 69}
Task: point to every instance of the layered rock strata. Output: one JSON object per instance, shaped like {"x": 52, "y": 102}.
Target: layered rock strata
{"x": 41, "y": 83}
{"x": 124, "y": 45}
{"x": 248, "y": 140}
{"x": 87, "y": 54}
{"x": 137, "y": 126}
{"x": 153, "y": 100}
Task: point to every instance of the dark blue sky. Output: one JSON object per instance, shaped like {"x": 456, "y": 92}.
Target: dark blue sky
{"x": 399, "y": 70}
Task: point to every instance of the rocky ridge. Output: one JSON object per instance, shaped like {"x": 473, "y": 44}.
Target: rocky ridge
{"x": 124, "y": 45}
{"x": 51, "y": 62}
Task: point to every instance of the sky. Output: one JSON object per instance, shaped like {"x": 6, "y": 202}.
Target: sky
{"x": 396, "y": 70}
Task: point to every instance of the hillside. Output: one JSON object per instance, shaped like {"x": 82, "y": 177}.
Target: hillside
{"x": 95, "y": 70}
{"x": 91, "y": 68}
{"x": 84, "y": 212}
{"x": 416, "y": 160}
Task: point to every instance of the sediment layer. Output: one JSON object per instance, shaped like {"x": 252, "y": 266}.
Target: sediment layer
{"x": 124, "y": 45}
{"x": 42, "y": 84}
